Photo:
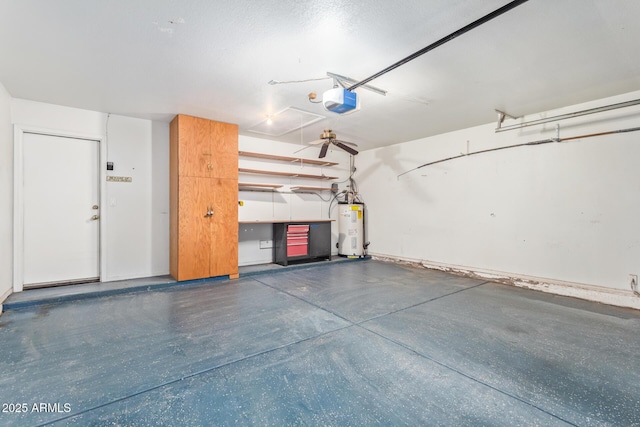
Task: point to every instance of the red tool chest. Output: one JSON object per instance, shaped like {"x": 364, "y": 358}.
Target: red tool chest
{"x": 301, "y": 241}
{"x": 297, "y": 240}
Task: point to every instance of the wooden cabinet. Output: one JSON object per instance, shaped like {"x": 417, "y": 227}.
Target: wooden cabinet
{"x": 206, "y": 148}
{"x": 203, "y": 198}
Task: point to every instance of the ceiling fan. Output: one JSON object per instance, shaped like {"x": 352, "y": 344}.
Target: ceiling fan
{"x": 327, "y": 138}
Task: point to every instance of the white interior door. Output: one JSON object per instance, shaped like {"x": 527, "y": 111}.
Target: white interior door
{"x": 61, "y": 195}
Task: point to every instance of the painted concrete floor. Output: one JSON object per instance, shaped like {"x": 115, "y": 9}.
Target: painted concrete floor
{"x": 361, "y": 343}
{"x": 56, "y": 294}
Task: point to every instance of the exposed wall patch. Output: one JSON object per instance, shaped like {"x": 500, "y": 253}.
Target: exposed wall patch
{"x": 169, "y": 29}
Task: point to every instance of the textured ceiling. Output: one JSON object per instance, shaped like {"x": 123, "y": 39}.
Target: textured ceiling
{"x": 156, "y": 58}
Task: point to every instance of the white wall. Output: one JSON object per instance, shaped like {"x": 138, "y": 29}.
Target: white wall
{"x": 160, "y": 198}
{"x": 129, "y": 228}
{"x": 129, "y": 225}
{"x": 6, "y": 195}
{"x": 283, "y": 204}
{"x": 136, "y": 214}
{"x": 565, "y": 213}
{"x": 560, "y": 213}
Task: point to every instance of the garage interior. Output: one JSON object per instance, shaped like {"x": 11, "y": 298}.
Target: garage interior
{"x": 414, "y": 214}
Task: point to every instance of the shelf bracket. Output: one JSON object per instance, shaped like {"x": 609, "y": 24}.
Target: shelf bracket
{"x": 502, "y": 115}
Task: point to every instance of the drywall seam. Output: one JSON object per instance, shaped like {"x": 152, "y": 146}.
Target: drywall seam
{"x": 617, "y": 297}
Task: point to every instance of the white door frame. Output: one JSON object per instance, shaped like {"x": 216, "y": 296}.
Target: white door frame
{"x": 18, "y": 199}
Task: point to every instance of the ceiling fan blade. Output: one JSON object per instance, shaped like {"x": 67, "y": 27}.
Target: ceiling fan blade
{"x": 353, "y": 144}
{"x": 323, "y": 150}
{"x": 345, "y": 148}
{"x": 316, "y": 142}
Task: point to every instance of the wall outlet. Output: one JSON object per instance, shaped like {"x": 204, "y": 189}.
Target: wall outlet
{"x": 633, "y": 282}
{"x": 266, "y": 244}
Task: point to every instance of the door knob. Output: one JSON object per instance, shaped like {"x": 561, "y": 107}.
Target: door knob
{"x": 95, "y": 217}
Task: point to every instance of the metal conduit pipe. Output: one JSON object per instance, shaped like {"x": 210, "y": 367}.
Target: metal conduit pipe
{"x": 567, "y": 116}
{"x": 539, "y": 142}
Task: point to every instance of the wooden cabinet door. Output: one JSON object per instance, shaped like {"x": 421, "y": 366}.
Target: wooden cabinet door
{"x": 194, "y": 150}
{"x": 224, "y": 146}
{"x": 203, "y": 177}
{"x": 194, "y": 228}
{"x": 224, "y": 228}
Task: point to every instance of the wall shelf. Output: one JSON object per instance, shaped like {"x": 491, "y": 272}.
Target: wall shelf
{"x": 253, "y": 185}
{"x": 288, "y": 174}
{"x": 307, "y": 188}
{"x": 286, "y": 158}
{"x": 278, "y": 221}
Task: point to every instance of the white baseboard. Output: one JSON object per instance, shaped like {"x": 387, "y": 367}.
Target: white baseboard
{"x": 601, "y": 294}
{"x": 4, "y": 296}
